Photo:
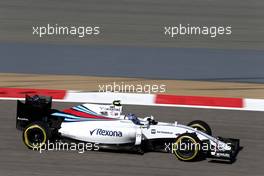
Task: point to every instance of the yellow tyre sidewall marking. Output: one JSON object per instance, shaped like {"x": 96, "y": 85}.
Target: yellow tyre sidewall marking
{"x": 196, "y": 150}
{"x": 198, "y": 125}
{"x": 26, "y": 141}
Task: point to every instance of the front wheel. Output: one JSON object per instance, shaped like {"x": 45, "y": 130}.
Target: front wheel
{"x": 187, "y": 147}
{"x": 201, "y": 126}
{"x": 35, "y": 135}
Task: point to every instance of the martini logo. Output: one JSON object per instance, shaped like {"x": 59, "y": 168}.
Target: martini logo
{"x": 102, "y": 132}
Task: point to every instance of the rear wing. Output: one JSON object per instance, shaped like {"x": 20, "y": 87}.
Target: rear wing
{"x": 35, "y": 108}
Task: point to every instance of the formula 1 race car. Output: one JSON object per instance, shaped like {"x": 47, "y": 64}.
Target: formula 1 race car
{"x": 106, "y": 126}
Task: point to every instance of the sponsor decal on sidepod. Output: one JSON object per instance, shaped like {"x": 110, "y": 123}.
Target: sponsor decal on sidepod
{"x": 102, "y": 132}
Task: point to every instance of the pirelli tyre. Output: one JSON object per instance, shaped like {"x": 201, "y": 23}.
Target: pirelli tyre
{"x": 187, "y": 147}
{"x": 201, "y": 126}
{"x": 35, "y": 135}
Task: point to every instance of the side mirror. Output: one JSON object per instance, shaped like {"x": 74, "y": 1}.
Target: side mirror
{"x": 117, "y": 103}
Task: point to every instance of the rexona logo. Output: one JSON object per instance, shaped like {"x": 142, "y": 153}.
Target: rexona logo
{"x": 102, "y": 132}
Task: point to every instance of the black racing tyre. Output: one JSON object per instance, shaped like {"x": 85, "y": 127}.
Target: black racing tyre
{"x": 201, "y": 126}
{"x": 187, "y": 147}
{"x": 35, "y": 135}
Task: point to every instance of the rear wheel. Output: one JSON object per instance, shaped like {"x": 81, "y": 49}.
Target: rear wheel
{"x": 35, "y": 135}
{"x": 201, "y": 126}
{"x": 187, "y": 147}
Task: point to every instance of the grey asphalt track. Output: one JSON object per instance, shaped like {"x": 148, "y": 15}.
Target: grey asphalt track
{"x": 133, "y": 43}
{"x": 154, "y": 63}
{"x": 248, "y": 126}
{"x": 136, "y": 22}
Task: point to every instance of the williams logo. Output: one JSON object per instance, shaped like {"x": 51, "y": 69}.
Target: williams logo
{"x": 153, "y": 131}
{"x": 102, "y": 132}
